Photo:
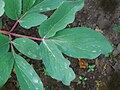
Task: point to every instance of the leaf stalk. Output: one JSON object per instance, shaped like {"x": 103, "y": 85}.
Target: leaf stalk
{"x": 18, "y": 35}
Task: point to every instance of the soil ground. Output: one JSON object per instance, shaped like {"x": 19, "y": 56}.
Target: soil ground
{"x": 100, "y": 15}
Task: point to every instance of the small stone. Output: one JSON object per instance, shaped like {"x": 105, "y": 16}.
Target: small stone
{"x": 117, "y": 50}
{"x": 115, "y": 53}
{"x": 118, "y": 47}
{"x": 109, "y": 69}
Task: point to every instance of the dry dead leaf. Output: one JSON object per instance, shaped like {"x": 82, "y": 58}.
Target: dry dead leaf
{"x": 97, "y": 62}
{"x": 98, "y": 29}
{"x": 83, "y": 63}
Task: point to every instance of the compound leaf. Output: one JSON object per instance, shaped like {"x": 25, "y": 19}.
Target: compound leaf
{"x": 2, "y": 4}
{"x": 56, "y": 65}
{"x": 4, "y": 44}
{"x": 27, "y": 77}
{"x": 32, "y": 19}
{"x": 82, "y": 42}
{"x": 60, "y": 19}
{"x": 6, "y": 65}
{"x": 28, "y": 47}
{"x": 13, "y": 8}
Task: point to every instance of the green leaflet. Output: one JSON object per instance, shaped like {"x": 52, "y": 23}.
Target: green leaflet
{"x": 116, "y": 29}
{"x": 13, "y": 8}
{"x": 82, "y": 42}
{"x": 56, "y": 65}
{"x": 32, "y": 19}
{"x": 28, "y": 47}
{"x": 6, "y": 65}
{"x": 46, "y": 5}
{"x": 2, "y": 4}
{"x": 38, "y": 1}
{"x": 64, "y": 15}
{"x": 4, "y": 44}
{"x": 27, "y": 4}
{"x": 27, "y": 77}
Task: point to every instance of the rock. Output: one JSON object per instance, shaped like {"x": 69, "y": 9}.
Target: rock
{"x": 117, "y": 66}
{"x": 109, "y": 69}
{"x": 114, "y": 82}
{"x": 116, "y": 51}
{"x": 118, "y": 47}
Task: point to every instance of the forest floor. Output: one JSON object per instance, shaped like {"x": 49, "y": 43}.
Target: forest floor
{"x": 102, "y": 16}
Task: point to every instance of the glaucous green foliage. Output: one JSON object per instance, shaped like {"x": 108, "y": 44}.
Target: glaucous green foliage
{"x": 78, "y": 42}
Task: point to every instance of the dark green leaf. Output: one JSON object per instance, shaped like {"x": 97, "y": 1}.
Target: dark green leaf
{"x": 64, "y": 15}
{"x": 6, "y": 65}
{"x": 27, "y": 47}
{"x": 56, "y": 65}
{"x": 82, "y": 42}
{"x": 116, "y": 29}
{"x": 2, "y": 4}
{"x": 32, "y": 19}
{"x": 0, "y": 24}
{"x": 4, "y": 44}
{"x": 27, "y": 77}
{"x": 27, "y": 4}
{"x": 13, "y": 8}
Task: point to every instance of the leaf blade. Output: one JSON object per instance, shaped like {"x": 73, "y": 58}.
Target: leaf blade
{"x": 2, "y": 4}
{"x": 38, "y": 1}
{"x": 46, "y": 5}
{"x": 4, "y": 44}
{"x": 28, "y": 47}
{"x": 32, "y": 19}
{"x": 60, "y": 19}
{"x": 56, "y": 65}
{"x": 31, "y": 10}
{"x": 13, "y": 8}
{"x": 116, "y": 29}
{"x": 0, "y": 24}
{"x": 6, "y": 65}
{"x": 82, "y": 42}
{"x": 27, "y": 4}
{"x": 26, "y": 75}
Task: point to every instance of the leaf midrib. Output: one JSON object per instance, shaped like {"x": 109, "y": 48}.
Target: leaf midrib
{"x": 58, "y": 22}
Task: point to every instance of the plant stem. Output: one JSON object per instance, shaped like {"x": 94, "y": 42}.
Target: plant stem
{"x": 23, "y": 36}
{"x": 14, "y": 26}
{"x": 16, "y": 23}
{"x": 18, "y": 35}
{"x": 11, "y": 41}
